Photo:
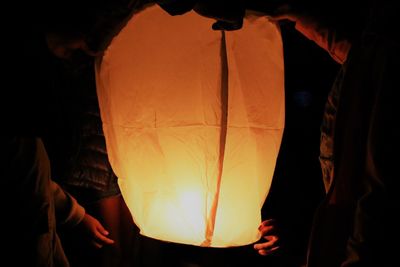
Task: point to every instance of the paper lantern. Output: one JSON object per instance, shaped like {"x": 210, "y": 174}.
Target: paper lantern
{"x": 193, "y": 120}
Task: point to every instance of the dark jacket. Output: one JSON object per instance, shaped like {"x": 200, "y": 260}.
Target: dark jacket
{"x": 91, "y": 168}
{"x": 79, "y": 155}
{"x": 356, "y": 223}
{"x": 34, "y": 206}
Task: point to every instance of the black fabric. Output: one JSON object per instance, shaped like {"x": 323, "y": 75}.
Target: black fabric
{"x": 79, "y": 158}
{"x": 92, "y": 168}
{"x": 29, "y": 222}
{"x": 356, "y": 223}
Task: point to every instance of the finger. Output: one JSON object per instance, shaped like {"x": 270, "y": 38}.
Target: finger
{"x": 264, "y": 252}
{"x": 267, "y": 245}
{"x": 269, "y": 222}
{"x": 96, "y": 244}
{"x": 103, "y": 239}
{"x": 101, "y": 229}
{"x": 268, "y": 227}
{"x": 271, "y": 238}
{"x": 265, "y": 230}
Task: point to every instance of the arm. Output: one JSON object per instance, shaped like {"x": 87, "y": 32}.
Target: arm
{"x": 68, "y": 211}
{"x": 325, "y": 37}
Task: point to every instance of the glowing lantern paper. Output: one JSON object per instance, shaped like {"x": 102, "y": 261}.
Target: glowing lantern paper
{"x": 193, "y": 120}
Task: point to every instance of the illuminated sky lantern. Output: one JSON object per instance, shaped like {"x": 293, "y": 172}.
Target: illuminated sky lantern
{"x": 193, "y": 120}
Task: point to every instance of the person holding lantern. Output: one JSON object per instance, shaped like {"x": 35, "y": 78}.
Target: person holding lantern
{"x": 356, "y": 221}
{"x": 80, "y": 163}
{"x": 36, "y": 205}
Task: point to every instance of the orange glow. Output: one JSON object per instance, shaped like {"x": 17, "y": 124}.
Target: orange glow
{"x": 193, "y": 120}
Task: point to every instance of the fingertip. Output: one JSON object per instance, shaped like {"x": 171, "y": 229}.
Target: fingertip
{"x": 107, "y": 241}
{"x": 97, "y": 245}
{"x": 269, "y": 222}
{"x": 262, "y": 252}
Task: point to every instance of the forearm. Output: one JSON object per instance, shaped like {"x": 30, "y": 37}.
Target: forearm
{"x": 324, "y": 37}
{"x": 68, "y": 211}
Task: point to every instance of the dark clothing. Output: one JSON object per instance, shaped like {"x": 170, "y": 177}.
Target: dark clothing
{"x": 356, "y": 223}
{"x": 31, "y": 202}
{"x": 79, "y": 157}
{"x": 89, "y": 176}
{"x": 30, "y": 230}
{"x": 327, "y": 133}
{"x": 358, "y": 212}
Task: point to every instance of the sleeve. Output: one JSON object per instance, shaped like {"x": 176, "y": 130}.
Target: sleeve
{"x": 68, "y": 210}
{"x": 326, "y": 38}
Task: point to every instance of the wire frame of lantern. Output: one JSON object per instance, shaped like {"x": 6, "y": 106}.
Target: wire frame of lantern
{"x": 193, "y": 120}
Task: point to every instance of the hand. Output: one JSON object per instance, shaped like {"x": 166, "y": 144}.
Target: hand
{"x": 268, "y": 232}
{"x": 283, "y": 12}
{"x": 97, "y": 234}
{"x": 229, "y": 16}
